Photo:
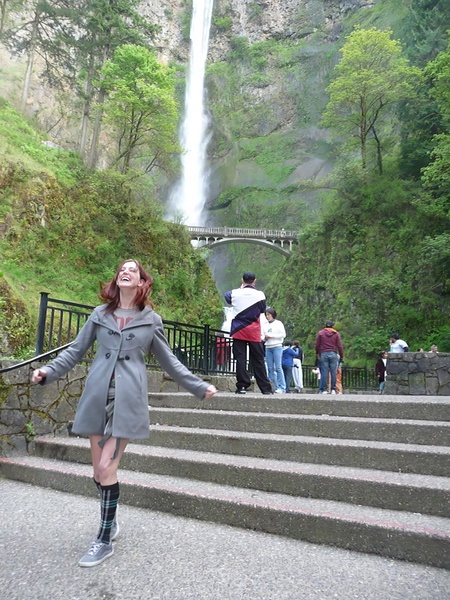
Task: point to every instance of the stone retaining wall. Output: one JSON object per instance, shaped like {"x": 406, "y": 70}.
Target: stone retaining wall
{"x": 418, "y": 374}
{"x": 28, "y": 410}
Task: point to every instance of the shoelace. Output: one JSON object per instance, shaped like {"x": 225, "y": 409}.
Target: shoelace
{"x": 95, "y": 547}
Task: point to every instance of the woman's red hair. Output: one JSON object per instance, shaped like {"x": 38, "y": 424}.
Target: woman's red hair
{"x": 110, "y": 292}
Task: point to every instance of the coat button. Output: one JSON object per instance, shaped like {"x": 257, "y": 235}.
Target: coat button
{"x": 110, "y": 332}
{"x": 127, "y": 357}
{"x": 107, "y": 355}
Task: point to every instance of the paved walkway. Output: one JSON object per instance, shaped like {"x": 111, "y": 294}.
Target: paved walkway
{"x": 157, "y": 556}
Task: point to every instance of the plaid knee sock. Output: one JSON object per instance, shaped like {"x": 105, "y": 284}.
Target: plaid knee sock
{"x": 110, "y": 497}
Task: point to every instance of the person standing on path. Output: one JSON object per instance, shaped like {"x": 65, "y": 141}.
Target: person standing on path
{"x": 328, "y": 350}
{"x": 274, "y": 334}
{"x": 113, "y": 407}
{"x": 297, "y": 371}
{"x": 248, "y": 305}
{"x": 290, "y": 353}
{"x": 380, "y": 370}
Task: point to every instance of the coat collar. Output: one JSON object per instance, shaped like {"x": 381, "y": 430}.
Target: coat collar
{"x": 145, "y": 317}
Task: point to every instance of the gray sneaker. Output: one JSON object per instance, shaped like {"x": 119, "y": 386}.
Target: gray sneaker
{"x": 96, "y": 554}
{"x": 115, "y": 527}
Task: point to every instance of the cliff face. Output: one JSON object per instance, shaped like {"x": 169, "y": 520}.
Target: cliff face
{"x": 255, "y": 20}
{"x": 268, "y": 65}
{"x": 269, "y": 62}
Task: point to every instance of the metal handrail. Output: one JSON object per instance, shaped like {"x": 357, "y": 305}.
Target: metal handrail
{"x": 34, "y": 359}
{"x": 202, "y": 350}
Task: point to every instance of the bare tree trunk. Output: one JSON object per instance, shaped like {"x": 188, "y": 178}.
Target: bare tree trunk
{"x": 30, "y": 61}
{"x": 86, "y": 111}
{"x": 93, "y": 156}
{"x": 379, "y": 158}
{"x": 2, "y": 15}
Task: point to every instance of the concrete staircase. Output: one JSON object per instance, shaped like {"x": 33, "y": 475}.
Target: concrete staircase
{"x": 367, "y": 473}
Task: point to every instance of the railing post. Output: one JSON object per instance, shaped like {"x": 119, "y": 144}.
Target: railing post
{"x": 365, "y": 379}
{"x": 207, "y": 349}
{"x": 41, "y": 323}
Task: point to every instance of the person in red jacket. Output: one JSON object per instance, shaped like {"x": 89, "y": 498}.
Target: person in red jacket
{"x": 329, "y": 351}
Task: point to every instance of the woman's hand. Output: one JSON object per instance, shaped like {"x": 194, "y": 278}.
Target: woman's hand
{"x": 210, "y": 391}
{"x": 38, "y": 375}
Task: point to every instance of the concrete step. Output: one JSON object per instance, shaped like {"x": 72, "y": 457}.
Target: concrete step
{"x": 406, "y": 431}
{"x": 396, "y": 491}
{"x": 388, "y": 456}
{"x": 436, "y": 408}
{"x": 402, "y": 535}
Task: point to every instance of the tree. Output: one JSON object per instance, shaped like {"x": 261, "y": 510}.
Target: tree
{"x": 106, "y": 25}
{"x": 424, "y": 31}
{"x": 141, "y": 107}
{"x": 39, "y": 33}
{"x": 436, "y": 176}
{"x": 372, "y": 75}
{"x": 74, "y": 39}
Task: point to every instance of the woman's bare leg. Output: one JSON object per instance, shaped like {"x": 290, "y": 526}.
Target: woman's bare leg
{"x": 105, "y": 467}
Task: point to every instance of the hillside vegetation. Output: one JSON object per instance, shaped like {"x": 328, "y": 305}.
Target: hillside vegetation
{"x": 65, "y": 229}
{"x": 336, "y": 127}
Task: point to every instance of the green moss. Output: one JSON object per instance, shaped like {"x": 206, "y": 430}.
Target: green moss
{"x": 4, "y": 390}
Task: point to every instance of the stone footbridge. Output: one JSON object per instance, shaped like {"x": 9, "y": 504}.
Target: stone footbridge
{"x": 276, "y": 239}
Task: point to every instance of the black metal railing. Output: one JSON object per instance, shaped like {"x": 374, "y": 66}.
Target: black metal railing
{"x": 203, "y": 350}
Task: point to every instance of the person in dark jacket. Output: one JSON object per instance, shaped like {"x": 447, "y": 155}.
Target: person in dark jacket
{"x": 329, "y": 351}
{"x": 248, "y": 305}
{"x": 113, "y": 407}
{"x": 380, "y": 370}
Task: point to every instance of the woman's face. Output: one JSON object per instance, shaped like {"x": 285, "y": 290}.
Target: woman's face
{"x": 129, "y": 276}
{"x": 269, "y": 317}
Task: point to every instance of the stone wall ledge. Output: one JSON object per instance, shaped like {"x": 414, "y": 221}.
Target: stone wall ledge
{"x": 418, "y": 373}
{"x": 28, "y": 410}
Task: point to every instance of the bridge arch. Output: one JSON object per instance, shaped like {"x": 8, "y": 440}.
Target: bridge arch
{"x": 268, "y": 243}
{"x": 279, "y": 240}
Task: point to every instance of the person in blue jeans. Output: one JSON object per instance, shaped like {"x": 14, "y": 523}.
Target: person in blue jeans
{"x": 274, "y": 334}
{"x": 329, "y": 352}
{"x": 287, "y": 362}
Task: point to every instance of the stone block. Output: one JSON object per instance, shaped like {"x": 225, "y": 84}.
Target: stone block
{"x": 431, "y": 384}
{"x": 417, "y": 384}
{"x": 16, "y": 446}
{"x": 14, "y": 419}
{"x": 443, "y": 376}
{"x": 444, "y": 390}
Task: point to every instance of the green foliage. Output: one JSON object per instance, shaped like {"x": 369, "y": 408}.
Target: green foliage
{"x": 65, "y": 238}
{"x": 21, "y": 138}
{"x": 222, "y": 22}
{"x": 366, "y": 264}
{"x": 141, "y": 109}
{"x": 272, "y": 153}
{"x": 30, "y": 431}
{"x": 372, "y": 75}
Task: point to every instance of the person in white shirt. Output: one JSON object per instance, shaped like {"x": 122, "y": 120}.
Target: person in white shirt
{"x": 397, "y": 345}
{"x": 274, "y": 334}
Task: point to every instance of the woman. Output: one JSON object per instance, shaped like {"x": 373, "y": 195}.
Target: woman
{"x": 274, "y": 334}
{"x": 113, "y": 407}
{"x": 380, "y": 370}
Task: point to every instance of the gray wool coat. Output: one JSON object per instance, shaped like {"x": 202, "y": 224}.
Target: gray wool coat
{"x": 122, "y": 352}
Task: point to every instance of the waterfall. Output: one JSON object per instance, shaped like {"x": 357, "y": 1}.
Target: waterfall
{"x": 228, "y": 313}
{"x": 189, "y": 196}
